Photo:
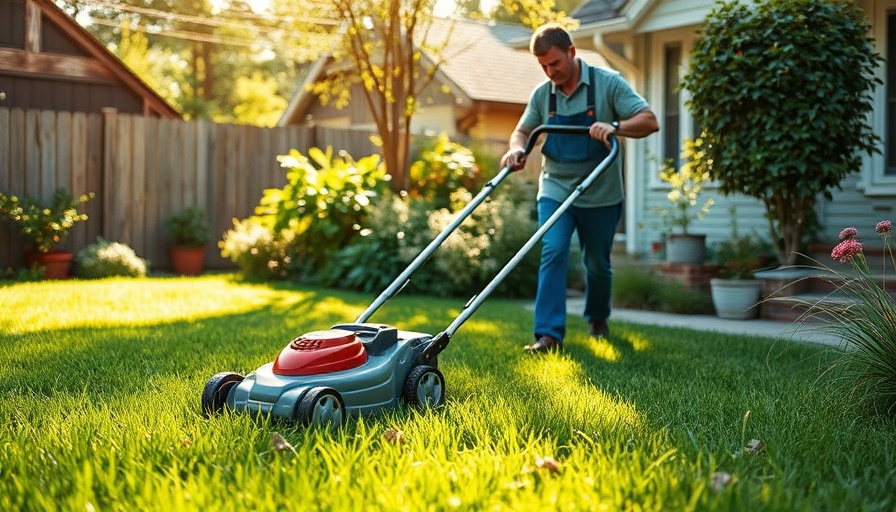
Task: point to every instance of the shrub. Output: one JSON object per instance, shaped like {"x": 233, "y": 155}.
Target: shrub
{"x": 634, "y": 286}
{"x": 443, "y": 168}
{"x": 257, "y": 251}
{"x": 107, "y": 259}
{"x": 400, "y": 228}
{"x": 772, "y": 84}
{"x": 323, "y": 203}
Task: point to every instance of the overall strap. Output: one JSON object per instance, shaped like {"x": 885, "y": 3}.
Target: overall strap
{"x": 552, "y": 96}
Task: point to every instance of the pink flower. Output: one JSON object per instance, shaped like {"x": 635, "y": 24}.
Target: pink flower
{"x": 846, "y": 249}
{"x": 884, "y": 227}
{"x": 849, "y": 232}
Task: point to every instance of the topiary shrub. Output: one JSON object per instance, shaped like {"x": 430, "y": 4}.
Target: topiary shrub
{"x": 782, "y": 90}
{"x": 108, "y": 259}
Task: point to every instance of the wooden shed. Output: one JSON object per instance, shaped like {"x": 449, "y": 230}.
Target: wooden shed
{"x": 49, "y": 62}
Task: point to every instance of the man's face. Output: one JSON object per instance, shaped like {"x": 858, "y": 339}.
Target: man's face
{"x": 558, "y": 65}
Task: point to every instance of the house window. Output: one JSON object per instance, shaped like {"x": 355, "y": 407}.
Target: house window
{"x": 890, "y": 130}
{"x": 672, "y": 102}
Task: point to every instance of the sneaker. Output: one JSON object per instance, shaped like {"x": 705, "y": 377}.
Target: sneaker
{"x": 599, "y": 329}
{"x": 544, "y": 344}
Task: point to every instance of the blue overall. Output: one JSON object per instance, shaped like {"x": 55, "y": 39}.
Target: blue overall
{"x": 596, "y": 228}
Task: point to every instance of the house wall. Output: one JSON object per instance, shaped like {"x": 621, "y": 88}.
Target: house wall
{"x": 866, "y": 196}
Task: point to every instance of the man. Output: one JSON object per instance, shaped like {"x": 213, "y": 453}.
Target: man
{"x": 576, "y": 94}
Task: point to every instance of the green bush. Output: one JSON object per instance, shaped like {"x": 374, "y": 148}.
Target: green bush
{"x": 400, "y": 228}
{"x": 108, "y": 259}
{"x": 634, "y": 287}
{"x": 443, "y": 168}
{"x": 323, "y": 203}
{"x": 772, "y": 85}
{"x": 257, "y": 251}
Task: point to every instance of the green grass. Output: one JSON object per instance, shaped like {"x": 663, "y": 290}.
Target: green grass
{"x": 99, "y": 410}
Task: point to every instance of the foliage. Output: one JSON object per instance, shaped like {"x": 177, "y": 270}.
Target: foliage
{"x": 45, "y": 226}
{"x": 257, "y": 100}
{"x": 107, "y": 259}
{"x": 740, "y": 254}
{"x": 189, "y": 227}
{"x": 864, "y": 317}
{"x": 534, "y": 13}
{"x": 400, "y": 228}
{"x": 686, "y": 185}
{"x": 258, "y": 251}
{"x": 442, "y": 168}
{"x": 323, "y": 203}
{"x": 782, "y": 90}
{"x": 25, "y": 274}
{"x": 101, "y": 411}
{"x": 634, "y": 286}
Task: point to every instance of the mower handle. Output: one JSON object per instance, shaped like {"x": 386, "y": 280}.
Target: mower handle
{"x": 404, "y": 278}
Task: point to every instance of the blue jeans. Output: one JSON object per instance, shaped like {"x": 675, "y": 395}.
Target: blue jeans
{"x": 596, "y": 228}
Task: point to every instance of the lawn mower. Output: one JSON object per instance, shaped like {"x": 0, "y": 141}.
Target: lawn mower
{"x": 323, "y": 377}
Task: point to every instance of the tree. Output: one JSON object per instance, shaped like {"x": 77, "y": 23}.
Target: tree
{"x": 534, "y": 13}
{"x": 384, "y": 42}
{"x": 782, "y": 90}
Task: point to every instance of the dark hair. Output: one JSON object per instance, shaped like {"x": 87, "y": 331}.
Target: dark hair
{"x": 547, "y": 37}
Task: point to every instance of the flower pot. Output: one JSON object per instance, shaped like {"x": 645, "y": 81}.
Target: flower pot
{"x": 736, "y": 299}
{"x": 685, "y": 249}
{"x": 188, "y": 261}
{"x": 57, "y": 264}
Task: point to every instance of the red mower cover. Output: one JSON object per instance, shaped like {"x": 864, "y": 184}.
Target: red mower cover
{"x": 320, "y": 352}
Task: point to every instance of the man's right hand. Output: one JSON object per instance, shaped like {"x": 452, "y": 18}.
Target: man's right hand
{"x": 515, "y": 159}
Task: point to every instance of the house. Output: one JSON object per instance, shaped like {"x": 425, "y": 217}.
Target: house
{"x": 649, "y": 42}
{"x": 49, "y": 62}
{"x": 480, "y": 90}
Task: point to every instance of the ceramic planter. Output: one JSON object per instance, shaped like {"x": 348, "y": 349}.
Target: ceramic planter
{"x": 685, "y": 248}
{"x": 736, "y": 299}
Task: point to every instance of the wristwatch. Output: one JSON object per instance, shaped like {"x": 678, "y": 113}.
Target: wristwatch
{"x": 615, "y": 125}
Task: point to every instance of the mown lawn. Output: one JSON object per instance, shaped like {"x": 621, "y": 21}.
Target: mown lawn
{"x": 99, "y": 410}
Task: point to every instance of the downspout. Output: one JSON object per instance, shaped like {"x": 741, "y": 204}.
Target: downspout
{"x": 634, "y": 201}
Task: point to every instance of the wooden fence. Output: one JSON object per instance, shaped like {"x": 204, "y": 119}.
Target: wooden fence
{"x": 144, "y": 169}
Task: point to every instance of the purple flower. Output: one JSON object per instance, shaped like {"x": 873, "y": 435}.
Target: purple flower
{"x": 846, "y": 250}
{"x": 883, "y": 227}
{"x": 849, "y": 232}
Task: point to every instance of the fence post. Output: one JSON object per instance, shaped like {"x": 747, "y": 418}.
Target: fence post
{"x": 110, "y": 156}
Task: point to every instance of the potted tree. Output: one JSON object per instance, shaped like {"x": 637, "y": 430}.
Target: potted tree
{"x": 686, "y": 185}
{"x": 46, "y": 226}
{"x": 736, "y": 292}
{"x": 189, "y": 231}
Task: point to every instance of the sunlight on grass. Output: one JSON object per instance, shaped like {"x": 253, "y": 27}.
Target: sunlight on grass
{"x": 100, "y": 407}
{"x": 116, "y": 302}
{"x": 603, "y": 349}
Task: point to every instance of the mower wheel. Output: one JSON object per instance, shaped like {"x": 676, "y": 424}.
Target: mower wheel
{"x": 321, "y": 407}
{"x": 214, "y": 396}
{"x": 424, "y": 387}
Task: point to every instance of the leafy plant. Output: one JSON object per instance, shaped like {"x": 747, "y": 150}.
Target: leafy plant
{"x": 323, "y": 203}
{"x": 45, "y": 226}
{"x": 107, "y": 259}
{"x": 443, "y": 167}
{"x": 189, "y": 227}
{"x": 740, "y": 254}
{"x": 782, "y": 90}
{"x": 866, "y": 319}
{"x": 686, "y": 185}
{"x": 259, "y": 252}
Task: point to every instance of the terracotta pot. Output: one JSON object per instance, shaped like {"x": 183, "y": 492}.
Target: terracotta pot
{"x": 188, "y": 261}
{"x": 57, "y": 265}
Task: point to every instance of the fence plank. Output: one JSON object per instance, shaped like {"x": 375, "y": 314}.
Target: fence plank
{"x": 143, "y": 170}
